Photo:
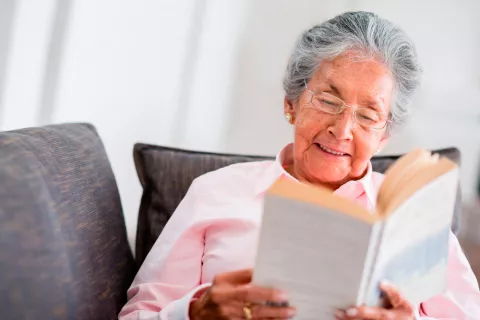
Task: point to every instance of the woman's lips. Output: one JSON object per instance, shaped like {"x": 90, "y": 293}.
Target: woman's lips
{"x": 332, "y": 151}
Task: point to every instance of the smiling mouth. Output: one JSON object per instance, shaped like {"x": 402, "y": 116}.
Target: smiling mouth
{"x": 330, "y": 151}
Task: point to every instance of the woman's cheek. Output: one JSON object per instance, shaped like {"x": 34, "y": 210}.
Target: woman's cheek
{"x": 301, "y": 123}
{"x": 301, "y": 145}
{"x": 308, "y": 124}
{"x": 359, "y": 164}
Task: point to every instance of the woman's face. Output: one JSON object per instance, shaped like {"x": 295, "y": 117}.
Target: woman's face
{"x": 366, "y": 84}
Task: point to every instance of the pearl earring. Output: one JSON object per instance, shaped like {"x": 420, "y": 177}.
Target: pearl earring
{"x": 288, "y": 117}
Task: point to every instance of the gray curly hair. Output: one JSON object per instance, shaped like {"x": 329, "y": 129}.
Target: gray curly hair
{"x": 368, "y": 34}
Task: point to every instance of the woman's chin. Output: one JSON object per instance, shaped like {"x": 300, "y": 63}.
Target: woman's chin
{"x": 329, "y": 170}
{"x": 327, "y": 174}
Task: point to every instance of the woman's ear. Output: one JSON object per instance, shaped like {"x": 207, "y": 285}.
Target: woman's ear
{"x": 288, "y": 107}
{"x": 383, "y": 142}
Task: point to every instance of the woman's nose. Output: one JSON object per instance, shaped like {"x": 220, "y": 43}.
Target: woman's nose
{"x": 342, "y": 125}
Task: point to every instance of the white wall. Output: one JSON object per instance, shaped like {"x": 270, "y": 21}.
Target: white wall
{"x": 446, "y": 108}
{"x": 206, "y": 74}
{"x": 25, "y": 62}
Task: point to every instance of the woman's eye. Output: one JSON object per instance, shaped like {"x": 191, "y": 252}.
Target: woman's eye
{"x": 367, "y": 118}
{"x": 326, "y": 104}
{"x": 329, "y": 103}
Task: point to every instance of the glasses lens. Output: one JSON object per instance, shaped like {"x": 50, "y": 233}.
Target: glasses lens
{"x": 327, "y": 103}
{"x": 370, "y": 119}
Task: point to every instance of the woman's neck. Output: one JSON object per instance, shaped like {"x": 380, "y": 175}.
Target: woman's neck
{"x": 329, "y": 185}
{"x": 291, "y": 171}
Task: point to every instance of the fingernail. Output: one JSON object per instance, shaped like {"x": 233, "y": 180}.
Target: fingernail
{"x": 339, "y": 314}
{"x": 281, "y": 296}
{"x": 386, "y": 283}
{"x": 291, "y": 312}
{"x": 352, "y": 312}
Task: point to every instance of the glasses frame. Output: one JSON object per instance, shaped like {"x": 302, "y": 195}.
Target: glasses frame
{"x": 344, "y": 106}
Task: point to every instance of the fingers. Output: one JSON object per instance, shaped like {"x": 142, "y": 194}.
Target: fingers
{"x": 397, "y": 300}
{"x": 246, "y": 293}
{"x": 373, "y": 313}
{"x": 401, "y": 308}
{"x": 236, "y": 277}
{"x": 369, "y": 313}
{"x": 258, "y": 312}
{"x": 231, "y": 292}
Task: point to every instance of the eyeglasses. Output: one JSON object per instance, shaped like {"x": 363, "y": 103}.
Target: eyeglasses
{"x": 331, "y": 104}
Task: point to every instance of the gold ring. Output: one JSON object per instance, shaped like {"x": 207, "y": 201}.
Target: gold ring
{"x": 247, "y": 312}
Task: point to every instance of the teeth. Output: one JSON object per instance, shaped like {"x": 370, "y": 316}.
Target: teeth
{"x": 331, "y": 151}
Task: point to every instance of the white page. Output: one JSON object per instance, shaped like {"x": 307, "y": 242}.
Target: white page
{"x": 414, "y": 248}
{"x": 314, "y": 254}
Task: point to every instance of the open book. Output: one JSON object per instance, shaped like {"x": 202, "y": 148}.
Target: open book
{"x": 328, "y": 252}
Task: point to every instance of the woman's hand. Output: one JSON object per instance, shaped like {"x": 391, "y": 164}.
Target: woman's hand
{"x": 401, "y": 308}
{"x": 232, "y": 296}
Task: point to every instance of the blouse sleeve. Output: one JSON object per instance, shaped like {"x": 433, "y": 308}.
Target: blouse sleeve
{"x": 171, "y": 274}
{"x": 461, "y": 300}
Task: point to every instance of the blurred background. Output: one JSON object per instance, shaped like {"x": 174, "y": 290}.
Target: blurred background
{"x": 206, "y": 74}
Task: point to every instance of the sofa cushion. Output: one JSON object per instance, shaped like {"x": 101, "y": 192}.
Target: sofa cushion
{"x": 63, "y": 246}
{"x": 166, "y": 174}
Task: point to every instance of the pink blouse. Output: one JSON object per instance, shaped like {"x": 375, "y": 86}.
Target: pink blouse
{"x": 215, "y": 230}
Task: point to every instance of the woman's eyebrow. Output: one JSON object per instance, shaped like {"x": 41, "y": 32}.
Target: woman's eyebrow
{"x": 335, "y": 89}
{"x": 328, "y": 88}
{"x": 376, "y": 104}
{"x": 332, "y": 88}
{"x": 371, "y": 102}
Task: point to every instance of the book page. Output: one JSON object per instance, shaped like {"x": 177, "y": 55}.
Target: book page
{"x": 315, "y": 254}
{"x": 414, "y": 248}
{"x": 400, "y": 170}
{"x": 421, "y": 177}
{"x": 322, "y": 197}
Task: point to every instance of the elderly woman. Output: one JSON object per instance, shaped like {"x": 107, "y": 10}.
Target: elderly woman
{"x": 348, "y": 83}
